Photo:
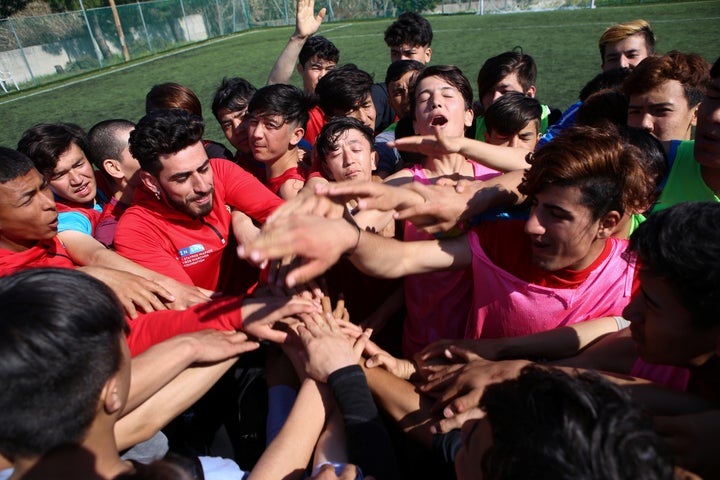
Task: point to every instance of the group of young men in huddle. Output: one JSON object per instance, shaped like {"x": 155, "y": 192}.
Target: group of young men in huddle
{"x": 486, "y": 260}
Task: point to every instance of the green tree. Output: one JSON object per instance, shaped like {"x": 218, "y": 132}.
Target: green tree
{"x": 417, "y": 6}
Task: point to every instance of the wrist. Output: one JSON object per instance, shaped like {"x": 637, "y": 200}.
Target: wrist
{"x": 353, "y": 239}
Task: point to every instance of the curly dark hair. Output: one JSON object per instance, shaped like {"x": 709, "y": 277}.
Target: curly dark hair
{"x": 163, "y": 132}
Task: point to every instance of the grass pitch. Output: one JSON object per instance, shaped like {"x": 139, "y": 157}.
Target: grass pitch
{"x": 563, "y": 43}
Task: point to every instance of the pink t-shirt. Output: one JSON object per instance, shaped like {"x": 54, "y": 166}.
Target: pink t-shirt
{"x": 438, "y": 303}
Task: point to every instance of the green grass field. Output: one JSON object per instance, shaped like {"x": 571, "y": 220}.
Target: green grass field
{"x": 563, "y": 43}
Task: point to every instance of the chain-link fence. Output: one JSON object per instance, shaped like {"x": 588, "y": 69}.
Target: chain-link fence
{"x": 35, "y": 50}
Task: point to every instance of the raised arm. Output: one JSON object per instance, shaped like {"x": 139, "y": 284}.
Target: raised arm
{"x": 306, "y": 25}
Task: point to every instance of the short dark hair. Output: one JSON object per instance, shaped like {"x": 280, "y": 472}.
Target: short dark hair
{"x": 334, "y": 128}
{"x": 400, "y": 67}
{"x": 681, "y": 244}
{"x": 578, "y": 427}
{"x": 13, "y": 164}
{"x": 511, "y": 112}
{"x": 606, "y": 170}
{"x": 56, "y": 354}
{"x": 163, "y": 132}
{"x": 715, "y": 70}
{"x": 320, "y": 47}
{"x": 103, "y": 141}
{"x": 286, "y": 101}
{"x": 343, "y": 88}
{"x": 410, "y": 28}
{"x": 45, "y": 142}
{"x": 610, "y": 79}
{"x": 167, "y": 96}
{"x": 608, "y": 106}
{"x": 690, "y": 69}
{"x": 500, "y": 66}
{"x": 452, "y": 75}
{"x": 233, "y": 94}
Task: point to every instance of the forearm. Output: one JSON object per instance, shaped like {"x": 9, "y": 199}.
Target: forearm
{"x": 390, "y": 258}
{"x": 167, "y": 403}
{"x": 402, "y": 402}
{"x": 504, "y": 159}
{"x": 501, "y": 191}
{"x": 285, "y": 64}
{"x": 158, "y": 365}
{"x": 557, "y": 343}
{"x": 368, "y": 442}
{"x": 243, "y": 227}
{"x": 288, "y": 454}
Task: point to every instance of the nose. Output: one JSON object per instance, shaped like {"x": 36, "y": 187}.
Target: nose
{"x": 74, "y": 177}
{"x": 624, "y": 62}
{"x": 513, "y": 141}
{"x": 533, "y": 225}
{"x": 48, "y": 201}
{"x": 633, "y": 311}
{"x": 647, "y": 123}
{"x": 496, "y": 95}
{"x": 200, "y": 183}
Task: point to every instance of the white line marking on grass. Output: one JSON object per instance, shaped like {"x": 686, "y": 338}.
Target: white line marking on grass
{"x": 127, "y": 67}
{"x": 338, "y": 27}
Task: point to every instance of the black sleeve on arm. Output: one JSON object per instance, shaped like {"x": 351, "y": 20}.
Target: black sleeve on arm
{"x": 369, "y": 444}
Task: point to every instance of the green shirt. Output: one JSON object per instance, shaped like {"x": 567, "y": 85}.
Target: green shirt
{"x": 684, "y": 182}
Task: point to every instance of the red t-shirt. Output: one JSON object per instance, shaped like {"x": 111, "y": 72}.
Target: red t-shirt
{"x": 195, "y": 251}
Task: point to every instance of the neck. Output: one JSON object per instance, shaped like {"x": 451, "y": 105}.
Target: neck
{"x": 287, "y": 161}
{"x": 15, "y": 245}
{"x": 124, "y": 194}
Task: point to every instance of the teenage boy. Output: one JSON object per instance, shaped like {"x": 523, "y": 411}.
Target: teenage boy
{"x": 109, "y": 151}
{"x": 409, "y": 38}
{"x": 513, "y": 120}
{"x": 400, "y": 79}
{"x": 695, "y": 169}
{"x": 664, "y": 93}
{"x": 512, "y": 71}
{"x": 346, "y": 91}
{"x": 277, "y": 115}
{"x": 625, "y": 45}
{"x": 181, "y": 222}
{"x": 58, "y": 152}
{"x": 230, "y": 106}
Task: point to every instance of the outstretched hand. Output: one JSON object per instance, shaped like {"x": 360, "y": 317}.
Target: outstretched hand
{"x": 306, "y": 22}
{"x": 318, "y": 241}
{"x": 326, "y": 348}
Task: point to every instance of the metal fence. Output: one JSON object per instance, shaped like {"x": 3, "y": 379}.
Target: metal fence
{"x": 39, "y": 49}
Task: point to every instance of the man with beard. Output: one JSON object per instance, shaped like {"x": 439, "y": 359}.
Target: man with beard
{"x": 182, "y": 216}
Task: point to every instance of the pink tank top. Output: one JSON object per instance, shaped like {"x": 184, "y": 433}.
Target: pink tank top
{"x": 506, "y": 306}
{"x": 438, "y": 303}
{"x": 673, "y": 377}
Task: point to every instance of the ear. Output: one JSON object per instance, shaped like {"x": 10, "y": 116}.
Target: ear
{"x": 300, "y": 69}
{"x": 150, "y": 182}
{"x": 112, "y": 168}
{"x": 428, "y": 54}
{"x": 296, "y": 136}
{"x": 374, "y": 160}
{"x": 693, "y": 122}
{"x": 608, "y": 224}
{"x": 469, "y": 115}
{"x": 111, "y": 397}
{"x": 531, "y": 91}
